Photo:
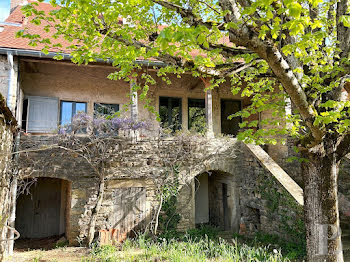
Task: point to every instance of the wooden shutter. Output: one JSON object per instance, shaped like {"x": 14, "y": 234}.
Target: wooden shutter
{"x": 42, "y": 114}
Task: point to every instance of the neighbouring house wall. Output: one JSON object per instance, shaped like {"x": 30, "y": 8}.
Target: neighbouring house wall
{"x": 6, "y": 145}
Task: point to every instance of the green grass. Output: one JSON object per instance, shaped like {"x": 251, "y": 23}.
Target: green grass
{"x": 191, "y": 246}
{"x": 290, "y": 250}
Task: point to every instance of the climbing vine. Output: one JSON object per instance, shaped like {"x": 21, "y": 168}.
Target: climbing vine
{"x": 291, "y": 223}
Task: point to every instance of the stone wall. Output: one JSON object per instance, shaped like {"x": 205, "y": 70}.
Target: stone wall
{"x": 253, "y": 203}
{"x": 6, "y": 143}
{"x": 268, "y": 207}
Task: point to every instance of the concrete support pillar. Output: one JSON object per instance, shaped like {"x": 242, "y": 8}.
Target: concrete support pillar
{"x": 134, "y": 112}
{"x": 209, "y": 107}
{"x": 133, "y": 100}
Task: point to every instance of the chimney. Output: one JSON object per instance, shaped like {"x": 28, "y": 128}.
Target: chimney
{"x": 15, "y": 3}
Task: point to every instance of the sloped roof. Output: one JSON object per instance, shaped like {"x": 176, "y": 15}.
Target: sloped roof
{"x": 8, "y": 37}
{"x": 17, "y": 21}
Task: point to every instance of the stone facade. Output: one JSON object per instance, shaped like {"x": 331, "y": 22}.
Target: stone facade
{"x": 234, "y": 175}
{"x": 140, "y": 166}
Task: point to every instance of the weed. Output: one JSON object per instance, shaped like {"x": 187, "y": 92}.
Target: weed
{"x": 192, "y": 246}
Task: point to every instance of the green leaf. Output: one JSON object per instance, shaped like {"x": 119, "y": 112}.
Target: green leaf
{"x": 345, "y": 19}
{"x": 295, "y": 10}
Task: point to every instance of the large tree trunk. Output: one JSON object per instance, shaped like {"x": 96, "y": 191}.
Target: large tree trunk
{"x": 323, "y": 235}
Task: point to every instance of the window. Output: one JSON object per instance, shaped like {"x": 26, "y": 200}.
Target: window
{"x": 170, "y": 112}
{"x": 69, "y": 109}
{"x": 40, "y": 114}
{"x": 229, "y": 107}
{"x": 105, "y": 109}
{"x": 196, "y": 114}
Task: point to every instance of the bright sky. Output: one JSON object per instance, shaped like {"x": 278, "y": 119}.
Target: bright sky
{"x": 4, "y": 9}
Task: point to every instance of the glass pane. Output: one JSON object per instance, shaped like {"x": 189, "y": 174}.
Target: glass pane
{"x": 170, "y": 112}
{"x": 80, "y": 108}
{"x": 163, "y": 111}
{"x": 196, "y": 115}
{"x": 66, "y": 112}
{"x": 106, "y": 109}
{"x": 176, "y": 115}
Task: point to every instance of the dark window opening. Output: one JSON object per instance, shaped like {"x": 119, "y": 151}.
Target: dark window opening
{"x": 228, "y": 108}
{"x": 196, "y": 115}
{"x": 105, "y": 109}
{"x": 25, "y": 114}
{"x": 170, "y": 112}
{"x": 70, "y": 109}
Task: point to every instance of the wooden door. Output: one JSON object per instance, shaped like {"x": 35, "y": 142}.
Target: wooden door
{"x": 129, "y": 208}
{"x": 38, "y": 214}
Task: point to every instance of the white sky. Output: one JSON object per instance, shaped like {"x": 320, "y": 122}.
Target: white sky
{"x": 4, "y": 9}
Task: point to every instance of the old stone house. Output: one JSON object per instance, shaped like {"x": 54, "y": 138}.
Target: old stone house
{"x": 236, "y": 188}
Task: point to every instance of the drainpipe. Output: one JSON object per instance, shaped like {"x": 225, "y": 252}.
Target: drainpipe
{"x": 11, "y": 103}
{"x": 12, "y": 87}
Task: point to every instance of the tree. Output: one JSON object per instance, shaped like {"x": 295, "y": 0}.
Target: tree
{"x": 272, "y": 51}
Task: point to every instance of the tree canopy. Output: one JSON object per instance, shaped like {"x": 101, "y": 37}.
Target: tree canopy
{"x": 261, "y": 46}
{"x": 276, "y": 52}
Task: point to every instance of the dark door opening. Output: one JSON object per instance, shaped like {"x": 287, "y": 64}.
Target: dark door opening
{"x": 228, "y": 108}
{"x": 43, "y": 213}
{"x": 216, "y": 201}
{"x": 225, "y": 206}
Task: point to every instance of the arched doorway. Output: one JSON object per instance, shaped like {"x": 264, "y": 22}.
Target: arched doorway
{"x": 217, "y": 200}
{"x": 43, "y": 213}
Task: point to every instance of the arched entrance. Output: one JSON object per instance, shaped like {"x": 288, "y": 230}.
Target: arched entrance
{"x": 217, "y": 200}
{"x": 43, "y": 213}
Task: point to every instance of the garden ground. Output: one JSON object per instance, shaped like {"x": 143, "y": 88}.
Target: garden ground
{"x": 204, "y": 244}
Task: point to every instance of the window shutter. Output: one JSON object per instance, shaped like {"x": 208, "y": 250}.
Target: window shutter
{"x": 42, "y": 114}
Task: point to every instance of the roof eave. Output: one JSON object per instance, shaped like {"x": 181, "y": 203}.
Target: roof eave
{"x": 39, "y": 54}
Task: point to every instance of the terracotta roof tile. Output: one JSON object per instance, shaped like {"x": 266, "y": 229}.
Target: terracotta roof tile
{"x": 9, "y": 40}
{"x": 8, "y": 37}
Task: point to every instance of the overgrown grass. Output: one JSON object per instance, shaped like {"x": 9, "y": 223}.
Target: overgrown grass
{"x": 191, "y": 246}
{"x": 291, "y": 250}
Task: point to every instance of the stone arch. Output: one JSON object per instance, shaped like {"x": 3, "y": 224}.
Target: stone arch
{"x": 45, "y": 212}
{"x": 217, "y": 199}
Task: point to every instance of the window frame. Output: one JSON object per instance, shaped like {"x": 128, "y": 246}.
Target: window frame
{"x": 73, "y": 108}
{"x": 180, "y": 108}
{"x": 106, "y": 104}
{"x": 188, "y": 110}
